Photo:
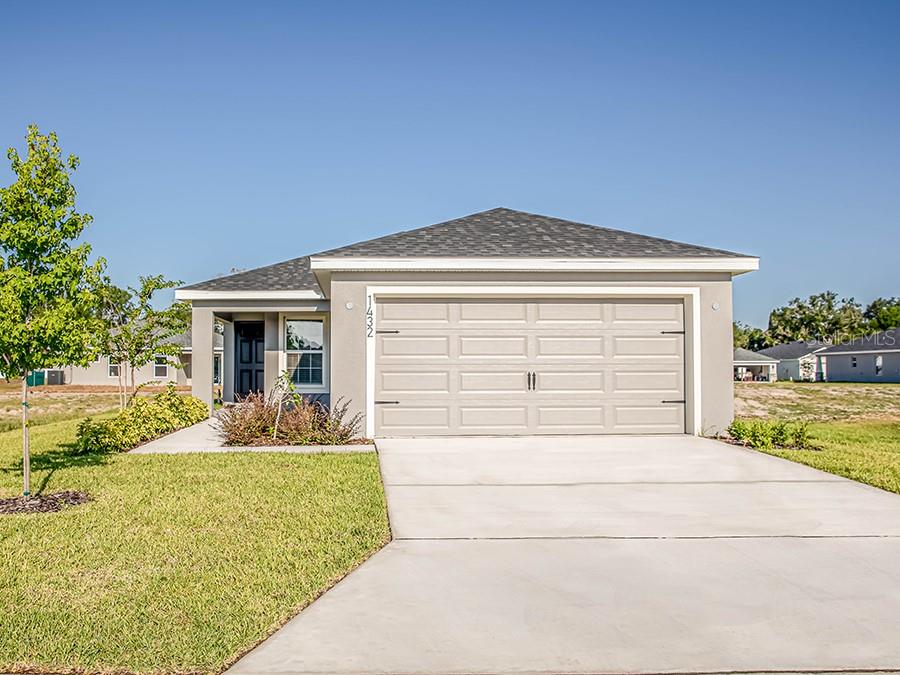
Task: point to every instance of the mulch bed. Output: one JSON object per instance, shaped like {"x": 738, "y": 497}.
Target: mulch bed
{"x": 42, "y": 503}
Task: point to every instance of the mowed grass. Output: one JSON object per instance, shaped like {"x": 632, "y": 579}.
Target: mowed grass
{"x": 868, "y": 452}
{"x": 180, "y": 563}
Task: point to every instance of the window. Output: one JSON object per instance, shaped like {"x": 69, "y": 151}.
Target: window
{"x": 879, "y": 364}
{"x": 112, "y": 369}
{"x": 853, "y": 362}
{"x": 160, "y": 366}
{"x": 305, "y": 346}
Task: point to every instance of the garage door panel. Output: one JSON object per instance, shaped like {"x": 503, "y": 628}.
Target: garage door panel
{"x": 404, "y": 418}
{"x": 480, "y": 382}
{"x": 401, "y": 347}
{"x": 413, "y": 314}
{"x": 658, "y": 381}
{"x": 642, "y": 418}
{"x": 552, "y": 312}
{"x": 492, "y": 312}
{"x": 659, "y": 315}
{"x": 600, "y": 366}
{"x": 568, "y": 381}
{"x": 571, "y": 347}
{"x": 488, "y": 418}
{"x": 395, "y": 382}
{"x": 586, "y": 419}
{"x": 503, "y": 346}
{"x": 644, "y": 347}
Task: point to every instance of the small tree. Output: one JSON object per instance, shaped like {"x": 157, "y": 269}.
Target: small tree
{"x": 48, "y": 289}
{"x": 141, "y": 332}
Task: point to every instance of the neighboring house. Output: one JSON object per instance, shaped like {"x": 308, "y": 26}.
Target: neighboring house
{"x": 501, "y": 322}
{"x": 754, "y": 367}
{"x": 873, "y": 358}
{"x": 800, "y": 360}
{"x": 105, "y": 372}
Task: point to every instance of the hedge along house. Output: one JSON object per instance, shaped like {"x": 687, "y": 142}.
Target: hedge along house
{"x": 501, "y": 322}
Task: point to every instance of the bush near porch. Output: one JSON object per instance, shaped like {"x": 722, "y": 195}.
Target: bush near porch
{"x": 290, "y": 420}
{"x": 143, "y": 420}
{"x": 179, "y": 563}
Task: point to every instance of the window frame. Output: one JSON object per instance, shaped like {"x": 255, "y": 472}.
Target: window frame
{"x": 156, "y": 365}
{"x": 110, "y": 365}
{"x": 853, "y": 362}
{"x": 322, "y": 388}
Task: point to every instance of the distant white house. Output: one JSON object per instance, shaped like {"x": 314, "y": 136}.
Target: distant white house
{"x": 754, "y": 367}
{"x": 873, "y": 358}
{"x": 799, "y": 360}
{"x": 105, "y": 372}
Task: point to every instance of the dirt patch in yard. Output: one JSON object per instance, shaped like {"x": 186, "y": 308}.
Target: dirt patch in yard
{"x": 817, "y": 401}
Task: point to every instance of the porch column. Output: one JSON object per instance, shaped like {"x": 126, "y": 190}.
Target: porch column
{"x": 272, "y": 357}
{"x": 202, "y": 355}
{"x": 228, "y": 362}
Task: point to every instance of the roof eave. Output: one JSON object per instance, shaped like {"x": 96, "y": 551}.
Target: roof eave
{"x": 732, "y": 265}
{"x": 189, "y": 294}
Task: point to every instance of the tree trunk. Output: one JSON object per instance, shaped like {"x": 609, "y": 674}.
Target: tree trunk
{"x": 26, "y": 440}
{"x": 133, "y": 387}
{"x": 121, "y": 387}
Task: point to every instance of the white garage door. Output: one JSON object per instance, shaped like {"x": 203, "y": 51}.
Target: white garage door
{"x": 553, "y": 366}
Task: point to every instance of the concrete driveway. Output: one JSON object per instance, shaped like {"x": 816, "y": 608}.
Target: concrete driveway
{"x": 608, "y": 555}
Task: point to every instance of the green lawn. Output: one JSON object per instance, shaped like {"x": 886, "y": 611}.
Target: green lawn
{"x": 855, "y": 426}
{"x": 867, "y": 451}
{"x": 180, "y": 563}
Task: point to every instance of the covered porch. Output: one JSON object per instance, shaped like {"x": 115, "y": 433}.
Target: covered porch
{"x": 260, "y": 341}
{"x": 752, "y": 366}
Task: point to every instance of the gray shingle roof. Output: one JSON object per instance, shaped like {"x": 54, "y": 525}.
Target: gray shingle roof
{"x": 497, "y": 233}
{"x": 741, "y": 355}
{"x": 504, "y": 233}
{"x": 793, "y": 350}
{"x": 886, "y": 340}
{"x": 290, "y": 275}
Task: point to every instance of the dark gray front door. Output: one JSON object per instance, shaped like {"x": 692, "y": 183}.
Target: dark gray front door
{"x": 250, "y": 357}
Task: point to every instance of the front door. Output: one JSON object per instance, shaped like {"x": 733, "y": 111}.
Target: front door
{"x": 250, "y": 357}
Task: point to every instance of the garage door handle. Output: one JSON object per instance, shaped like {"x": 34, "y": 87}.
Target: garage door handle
{"x": 680, "y": 400}
{"x": 672, "y": 332}
{"x": 387, "y": 332}
{"x": 387, "y": 402}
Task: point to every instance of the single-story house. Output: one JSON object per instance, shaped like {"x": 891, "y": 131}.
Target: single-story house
{"x": 104, "y": 371}
{"x": 754, "y": 367}
{"x": 873, "y": 358}
{"x": 501, "y": 322}
{"x": 799, "y": 360}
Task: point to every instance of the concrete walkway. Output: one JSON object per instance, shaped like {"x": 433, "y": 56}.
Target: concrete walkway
{"x": 608, "y": 555}
{"x": 205, "y": 437}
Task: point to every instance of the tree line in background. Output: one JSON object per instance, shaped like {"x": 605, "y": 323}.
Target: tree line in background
{"x": 824, "y": 317}
{"x": 58, "y": 308}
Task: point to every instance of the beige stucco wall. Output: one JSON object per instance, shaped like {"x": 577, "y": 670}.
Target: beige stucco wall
{"x": 348, "y": 326}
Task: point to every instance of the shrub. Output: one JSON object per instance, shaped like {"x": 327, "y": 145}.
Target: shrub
{"x": 768, "y": 434}
{"x": 301, "y": 422}
{"x": 143, "y": 420}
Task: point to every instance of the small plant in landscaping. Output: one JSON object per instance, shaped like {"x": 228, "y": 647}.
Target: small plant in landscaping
{"x": 143, "y": 420}
{"x": 768, "y": 434}
{"x": 288, "y": 419}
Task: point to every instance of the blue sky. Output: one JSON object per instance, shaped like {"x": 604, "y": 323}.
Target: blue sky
{"x": 222, "y": 135}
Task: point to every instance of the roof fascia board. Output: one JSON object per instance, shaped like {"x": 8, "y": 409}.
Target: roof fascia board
{"x": 364, "y": 264}
{"x": 188, "y": 294}
{"x": 849, "y": 352}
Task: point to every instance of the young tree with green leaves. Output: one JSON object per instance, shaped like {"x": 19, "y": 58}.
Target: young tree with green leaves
{"x": 883, "y": 314}
{"x": 140, "y": 332}
{"x": 48, "y": 288}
